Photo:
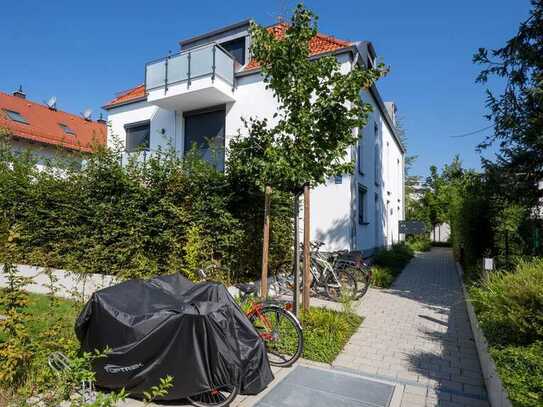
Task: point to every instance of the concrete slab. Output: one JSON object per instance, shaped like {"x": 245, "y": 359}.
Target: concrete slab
{"x": 313, "y": 387}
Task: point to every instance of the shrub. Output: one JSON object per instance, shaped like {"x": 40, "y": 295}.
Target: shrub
{"x": 396, "y": 257}
{"x": 419, "y": 244}
{"x": 381, "y": 277}
{"x": 326, "y": 332}
{"x": 509, "y": 305}
{"x": 521, "y": 370}
{"x": 146, "y": 217}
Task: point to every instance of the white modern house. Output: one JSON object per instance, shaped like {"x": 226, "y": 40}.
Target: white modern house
{"x": 201, "y": 94}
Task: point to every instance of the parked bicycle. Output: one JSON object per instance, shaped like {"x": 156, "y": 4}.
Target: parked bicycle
{"x": 354, "y": 263}
{"x": 276, "y": 324}
{"x": 337, "y": 282}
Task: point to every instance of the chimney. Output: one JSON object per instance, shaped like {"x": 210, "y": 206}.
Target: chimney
{"x": 19, "y": 93}
{"x": 101, "y": 119}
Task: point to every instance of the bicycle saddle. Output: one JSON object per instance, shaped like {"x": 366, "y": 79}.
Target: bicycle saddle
{"x": 246, "y": 288}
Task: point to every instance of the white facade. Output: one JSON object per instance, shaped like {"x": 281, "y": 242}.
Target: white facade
{"x": 376, "y": 187}
{"x": 47, "y": 156}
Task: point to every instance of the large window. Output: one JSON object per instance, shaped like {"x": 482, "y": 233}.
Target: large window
{"x": 204, "y": 130}
{"x": 362, "y": 195}
{"x": 138, "y": 136}
{"x": 236, "y": 48}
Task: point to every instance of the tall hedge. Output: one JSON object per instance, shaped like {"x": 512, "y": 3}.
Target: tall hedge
{"x": 143, "y": 218}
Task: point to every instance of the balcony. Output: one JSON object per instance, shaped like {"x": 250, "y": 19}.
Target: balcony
{"x": 194, "y": 79}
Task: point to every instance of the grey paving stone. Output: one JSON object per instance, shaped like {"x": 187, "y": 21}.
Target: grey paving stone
{"x": 420, "y": 331}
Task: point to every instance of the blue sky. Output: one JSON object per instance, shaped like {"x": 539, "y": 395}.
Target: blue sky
{"x": 85, "y": 52}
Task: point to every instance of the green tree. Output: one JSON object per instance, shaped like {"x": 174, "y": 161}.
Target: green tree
{"x": 319, "y": 106}
{"x": 318, "y": 109}
{"x": 517, "y": 114}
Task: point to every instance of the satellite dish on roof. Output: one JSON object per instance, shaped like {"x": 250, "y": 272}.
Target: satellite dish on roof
{"x": 87, "y": 114}
{"x": 52, "y": 103}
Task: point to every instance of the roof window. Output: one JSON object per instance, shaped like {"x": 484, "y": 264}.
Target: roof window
{"x": 16, "y": 116}
{"x": 66, "y": 129}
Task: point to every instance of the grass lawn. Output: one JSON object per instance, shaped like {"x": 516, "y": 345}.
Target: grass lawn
{"x": 41, "y": 317}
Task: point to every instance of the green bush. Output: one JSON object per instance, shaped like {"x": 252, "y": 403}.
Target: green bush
{"x": 396, "y": 257}
{"x": 387, "y": 264}
{"x": 419, "y": 244}
{"x": 521, "y": 370}
{"x": 326, "y": 332}
{"x": 381, "y": 277}
{"x": 509, "y": 306}
{"x": 140, "y": 219}
{"x": 441, "y": 244}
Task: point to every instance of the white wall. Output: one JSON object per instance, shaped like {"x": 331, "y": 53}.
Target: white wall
{"x": 46, "y": 155}
{"x": 334, "y": 206}
{"x": 165, "y": 129}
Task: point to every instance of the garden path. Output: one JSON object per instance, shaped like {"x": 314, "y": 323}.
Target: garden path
{"x": 418, "y": 334}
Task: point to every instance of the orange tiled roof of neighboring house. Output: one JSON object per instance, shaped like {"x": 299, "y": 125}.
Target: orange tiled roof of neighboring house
{"x": 45, "y": 125}
{"x": 127, "y": 96}
{"x": 319, "y": 44}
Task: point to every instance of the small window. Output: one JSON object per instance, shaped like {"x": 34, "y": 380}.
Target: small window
{"x": 362, "y": 192}
{"x": 338, "y": 179}
{"x": 16, "y": 116}
{"x": 66, "y": 129}
{"x": 377, "y": 164}
{"x": 138, "y": 136}
{"x": 360, "y": 153}
{"x": 375, "y": 129}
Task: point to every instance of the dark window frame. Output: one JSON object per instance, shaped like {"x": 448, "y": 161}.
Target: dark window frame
{"x": 19, "y": 118}
{"x": 198, "y": 112}
{"x": 360, "y": 151}
{"x": 67, "y": 129}
{"x": 132, "y": 126}
{"x": 362, "y": 204}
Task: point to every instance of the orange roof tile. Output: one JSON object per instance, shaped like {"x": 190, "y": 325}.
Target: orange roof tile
{"x": 44, "y": 125}
{"x": 319, "y": 44}
{"x": 127, "y": 96}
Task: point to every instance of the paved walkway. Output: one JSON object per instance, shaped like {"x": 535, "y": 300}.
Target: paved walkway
{"x": 417, "y": 333}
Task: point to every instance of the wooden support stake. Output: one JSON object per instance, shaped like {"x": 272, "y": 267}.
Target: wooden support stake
{"x": 265, "y": 244}
{"x": 307, "y": 253}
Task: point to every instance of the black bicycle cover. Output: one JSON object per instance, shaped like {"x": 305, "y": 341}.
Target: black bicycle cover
{"x": 195, "y": 333}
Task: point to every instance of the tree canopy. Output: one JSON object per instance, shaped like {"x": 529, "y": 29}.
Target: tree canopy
{"x": 517, "y": 113}
{"x": 319, "y": 107}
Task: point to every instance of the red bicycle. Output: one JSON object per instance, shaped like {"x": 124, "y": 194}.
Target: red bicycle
{"x": 276, "y": 324}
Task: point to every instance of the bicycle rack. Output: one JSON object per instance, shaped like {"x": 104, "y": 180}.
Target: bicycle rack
{"x": 59, "y": 362}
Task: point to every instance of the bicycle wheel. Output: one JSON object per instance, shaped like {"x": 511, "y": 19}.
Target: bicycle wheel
{"x": 219, "y": 397}
{"x": 281, "y": 333}
{"x": 341, "y": 284}
{"x": 364, "y": 280}
{"x": 349, "y": 285}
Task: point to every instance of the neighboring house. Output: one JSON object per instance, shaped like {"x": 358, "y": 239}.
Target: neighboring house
{"x": 202, "y": 93}
{"x": 48, "y": 133}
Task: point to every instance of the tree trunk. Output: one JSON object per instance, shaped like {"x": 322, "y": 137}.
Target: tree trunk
{"x": 296, "y": 262}
{"x": 265, "y": 244}
{"x": 307, "y": 253}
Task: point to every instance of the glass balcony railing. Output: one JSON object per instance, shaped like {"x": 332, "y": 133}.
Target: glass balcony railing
{"x": 209, "y": 60}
